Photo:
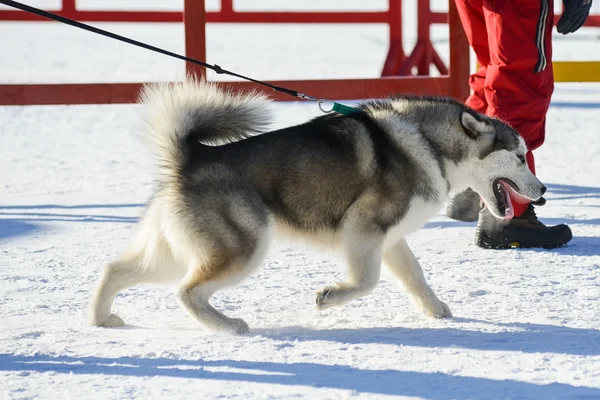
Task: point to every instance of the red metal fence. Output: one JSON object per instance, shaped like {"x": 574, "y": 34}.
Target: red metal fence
{"x": 452, "y": 83}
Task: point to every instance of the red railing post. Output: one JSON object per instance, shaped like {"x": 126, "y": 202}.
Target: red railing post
{"x": 424, "y": 36}
{"x": 194, "y": 20}
{"x": 68, "y": 7}
{"x": 395, "y": 56}
{"x": 459, "y": 56}
{"x": 424, "y": 54}
{"x": 226, "y": 7}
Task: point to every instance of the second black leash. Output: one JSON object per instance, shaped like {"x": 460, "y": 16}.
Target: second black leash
{"x": 339, "y": 108}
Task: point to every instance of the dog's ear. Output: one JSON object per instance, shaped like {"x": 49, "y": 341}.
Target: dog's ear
{"x": 473, "y": 124}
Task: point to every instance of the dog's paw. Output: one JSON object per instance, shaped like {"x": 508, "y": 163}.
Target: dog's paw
{"x": 435, "y": 308}
{"x": 323, "y": 300}
{"x": 237, "y": 326}
{"x": 113, "y": 321}
{"x": 446, "y": 311}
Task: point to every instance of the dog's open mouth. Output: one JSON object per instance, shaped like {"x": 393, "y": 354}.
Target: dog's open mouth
{"x": 502, "y": 190}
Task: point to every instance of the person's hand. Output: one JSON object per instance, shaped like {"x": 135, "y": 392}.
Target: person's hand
{"x": 574, "y": 15}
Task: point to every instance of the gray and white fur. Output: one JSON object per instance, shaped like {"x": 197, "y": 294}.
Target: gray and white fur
{"x": 358, "y": 183}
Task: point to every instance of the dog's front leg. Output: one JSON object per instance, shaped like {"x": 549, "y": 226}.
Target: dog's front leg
{"x": 363, "y": 254}
{"x": 401, "y": 261}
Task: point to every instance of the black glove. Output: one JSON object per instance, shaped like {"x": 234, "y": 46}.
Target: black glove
{"x": 574, "y": 15}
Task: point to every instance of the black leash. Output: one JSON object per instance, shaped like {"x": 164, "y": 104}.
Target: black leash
{"x": 339, "y": 108}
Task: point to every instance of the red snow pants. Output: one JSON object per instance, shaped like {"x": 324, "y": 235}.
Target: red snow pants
{"x": 514, "y": 80}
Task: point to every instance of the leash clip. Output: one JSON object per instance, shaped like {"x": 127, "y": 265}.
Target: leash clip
{"x": 306, "y": 97}
{"x": 318, "y": 101}
{"x": 321, "y": 101}
{"x": 336, "y": 107}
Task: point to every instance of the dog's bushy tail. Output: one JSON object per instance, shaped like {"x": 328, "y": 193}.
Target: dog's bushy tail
{"x": 179, "y": 116}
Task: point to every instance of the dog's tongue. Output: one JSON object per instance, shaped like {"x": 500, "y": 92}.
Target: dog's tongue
{"x": 509, "y": 213}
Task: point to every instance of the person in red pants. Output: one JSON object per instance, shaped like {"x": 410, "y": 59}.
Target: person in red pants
{"x": 512, "y": 40}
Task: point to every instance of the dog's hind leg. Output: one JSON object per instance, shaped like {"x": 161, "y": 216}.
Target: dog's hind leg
{"x": 116, "y": 276}
{"x": 401, "y": 261}
{"x": 363, "y": 255}
{"x": 221, "y": 270}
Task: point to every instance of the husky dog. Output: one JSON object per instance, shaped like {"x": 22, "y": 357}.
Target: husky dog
{"x": 361, "y": 182}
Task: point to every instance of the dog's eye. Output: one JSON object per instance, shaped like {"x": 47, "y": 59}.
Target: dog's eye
{"x": 521, "y": 158}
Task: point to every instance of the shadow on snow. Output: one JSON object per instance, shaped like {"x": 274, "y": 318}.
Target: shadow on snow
{"x": 428, "y": 385}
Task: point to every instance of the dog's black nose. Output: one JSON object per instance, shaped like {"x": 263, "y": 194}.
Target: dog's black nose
{"x": 543, "y": 189}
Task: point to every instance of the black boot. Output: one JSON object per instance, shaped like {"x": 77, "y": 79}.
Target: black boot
{"x": 465, "y": 206}
{"x": 525, "y": 231}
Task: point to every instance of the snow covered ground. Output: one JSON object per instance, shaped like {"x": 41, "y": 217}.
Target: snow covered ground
{"x": 73, "y": 179}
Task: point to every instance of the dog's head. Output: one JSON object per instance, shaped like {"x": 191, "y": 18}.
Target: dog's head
{"x": 497, "y": 164}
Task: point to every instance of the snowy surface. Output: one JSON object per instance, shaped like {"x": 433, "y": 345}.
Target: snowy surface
{"x": 74, "y": 179}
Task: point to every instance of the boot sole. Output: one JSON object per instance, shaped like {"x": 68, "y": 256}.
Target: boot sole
{"x": 486, "y": 242}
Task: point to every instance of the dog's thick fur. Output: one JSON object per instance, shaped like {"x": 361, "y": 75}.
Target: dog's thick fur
{"x": 360, "y": 182}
